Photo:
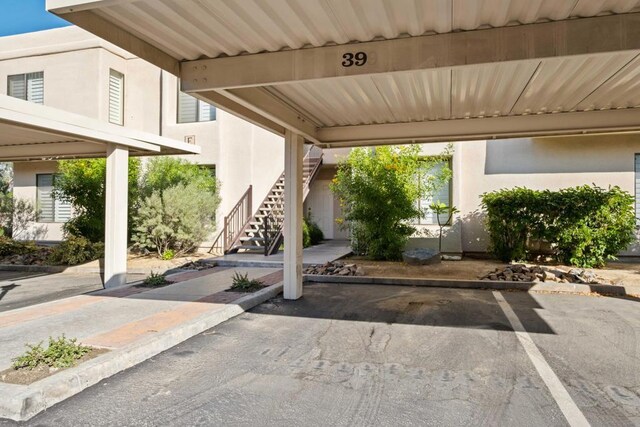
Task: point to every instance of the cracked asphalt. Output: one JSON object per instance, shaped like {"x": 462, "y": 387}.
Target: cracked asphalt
{"x": 383, "y": 355}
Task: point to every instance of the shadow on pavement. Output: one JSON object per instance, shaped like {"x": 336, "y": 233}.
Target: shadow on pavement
{"x": 438, "y": 307}
{"x": 4, "y": 290}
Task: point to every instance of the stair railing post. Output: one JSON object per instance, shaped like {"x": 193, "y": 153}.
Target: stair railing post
{"x": 250, "y": 202}
{"x": 225, "y": 244}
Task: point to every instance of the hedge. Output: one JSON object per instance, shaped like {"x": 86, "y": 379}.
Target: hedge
{"x": 584, "y": 226}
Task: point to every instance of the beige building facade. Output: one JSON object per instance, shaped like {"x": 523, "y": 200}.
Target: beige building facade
{"x": 77, "y": 67}
{"x": 74, "y": 71}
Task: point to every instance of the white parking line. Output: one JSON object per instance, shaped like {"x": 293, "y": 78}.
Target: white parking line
{"x": 571, "y": 412}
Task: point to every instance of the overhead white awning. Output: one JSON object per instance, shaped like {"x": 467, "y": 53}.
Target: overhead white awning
{"x": 36, "y": 132}
{"x": 353, "y": 72}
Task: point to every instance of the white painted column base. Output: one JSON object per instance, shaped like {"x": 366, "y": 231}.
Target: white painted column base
{"x": 293, "y": 149}
{"x": 116, "y": 212}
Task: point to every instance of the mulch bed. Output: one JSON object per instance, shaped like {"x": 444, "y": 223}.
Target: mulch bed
{"x": 25, "y": 376}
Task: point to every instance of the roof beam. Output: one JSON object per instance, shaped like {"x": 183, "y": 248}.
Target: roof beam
{"x": 522, "y": 42}
{"x": 574, "y": 123}
{"x": 119, "y": 37}
{"x": 232, "y": 107}
{"x": 59, "y": 150}
{"x": 263, "y": 103}
{"x": 65, "y": 6}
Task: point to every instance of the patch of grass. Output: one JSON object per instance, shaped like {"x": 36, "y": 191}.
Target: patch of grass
{"x": 154, "y": 280}
{"x": 242, "y": 283}
{"x": 62, "y": 352}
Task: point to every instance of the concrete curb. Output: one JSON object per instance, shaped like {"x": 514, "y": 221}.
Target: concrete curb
{"x": 255, "y": 264}
{"x": 75, "y": 269}
{"x": 20, "y": 403}
{"x": 571, "y": 288}
{"x": 33, "y": 268}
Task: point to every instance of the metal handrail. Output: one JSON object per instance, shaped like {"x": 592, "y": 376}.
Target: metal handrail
{"x": 273, "y": 234}
{"x": 235, "y": 223}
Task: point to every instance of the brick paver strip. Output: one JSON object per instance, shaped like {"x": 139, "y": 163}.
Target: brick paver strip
{"x": 272, "y": 278}
{"x": 155, "y": 323}
{"x": 162, "y": 321}
{"x": 49, "y": 309}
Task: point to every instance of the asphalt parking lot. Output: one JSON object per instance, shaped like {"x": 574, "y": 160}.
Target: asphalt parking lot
{"x": 387, "y": 355}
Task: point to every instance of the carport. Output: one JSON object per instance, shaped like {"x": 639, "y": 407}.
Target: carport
{"x": 34, "y": 132}
{"x": 345, "y": 73}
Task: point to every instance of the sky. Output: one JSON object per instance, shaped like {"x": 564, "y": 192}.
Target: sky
{"x": 25, "y": 16}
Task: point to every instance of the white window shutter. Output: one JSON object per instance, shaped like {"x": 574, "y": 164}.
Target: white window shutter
{"x": 35, "y": 87}
{"x": 17, "y": 87}
{"x": 116, "y": 97}
{"x": 187, "y": 108}
{"x": 207, "y": 112}
{"x": 45, "y": 202}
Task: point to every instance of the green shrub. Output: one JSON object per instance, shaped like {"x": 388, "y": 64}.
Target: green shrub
{"x": 168, "y": 254}
{"x": 61, "y": 353}
{"x": 176, "y": 219}
{"x": 82, "y": 183}
{"x": 306, "y": 236}
{"x": 585, "y": 226}
{"x": 9, "y": 246}
{"x": 16, "y": 217}
{"x": 76, "y": 250}
{"x": 154, "y": 280}
{"x": 378, "y": 189}
{"x": 314, "y": 232}
{"x": 242, "y": 283}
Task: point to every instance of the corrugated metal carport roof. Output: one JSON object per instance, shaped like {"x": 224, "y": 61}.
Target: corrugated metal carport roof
{"x": 435, "y": 70}
{"x": 36, "y": 132}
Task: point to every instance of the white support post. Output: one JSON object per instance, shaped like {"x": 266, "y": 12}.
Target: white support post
{"x": 293, "y": 148}
{"x": 116, "y": 212}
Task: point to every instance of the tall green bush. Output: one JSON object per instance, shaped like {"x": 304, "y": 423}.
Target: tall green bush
{"x": 176, "y": 219}
{"x": 378, "y": 190}
{"x": 82, "y": 183}
{"x": 585, "y": 226}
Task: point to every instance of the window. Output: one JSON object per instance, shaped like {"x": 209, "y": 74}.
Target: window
{"x": 50, "y": 209}
{"x": 116, "y": 97}
{"x": 443, "y": 195}
{"x": 29, "y": 86}
{"x": 192, "y": 110}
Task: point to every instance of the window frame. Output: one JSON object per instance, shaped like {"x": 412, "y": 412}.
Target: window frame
{"x": 39, "y": 218}
{"x": 197, "y": 110}
{"x": 421, "y": 220}
{"x": 25, "y": 80}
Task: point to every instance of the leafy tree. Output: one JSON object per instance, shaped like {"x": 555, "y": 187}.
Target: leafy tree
{"x": 82, "y": 183}
{"x": 176, "y": 219}
{"x": 161, "y": 173}
{"x": 178, "y": 205}
{"x": 378, "y": 190}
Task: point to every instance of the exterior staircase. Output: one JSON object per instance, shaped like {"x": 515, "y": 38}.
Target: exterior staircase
{"x": 261, "y": 231}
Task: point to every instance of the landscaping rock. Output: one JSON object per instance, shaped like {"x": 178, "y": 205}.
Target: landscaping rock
{"x": 336, "y": 268}
{"x": 421, "y": 257}
{"x": 536, "y": 273}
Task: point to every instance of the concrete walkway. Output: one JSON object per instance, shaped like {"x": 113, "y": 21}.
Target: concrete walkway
{"x": 21, "y": 288}
{"x": 121, "y": 318}
{"x": 328, "y": 250}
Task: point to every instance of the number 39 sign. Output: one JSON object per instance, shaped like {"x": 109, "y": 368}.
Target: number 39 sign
{"x": 350, "y": 59}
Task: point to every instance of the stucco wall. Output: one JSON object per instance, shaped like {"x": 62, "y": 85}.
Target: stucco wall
{"x": 24, "y": 187}
{"x": 537, "y": 163}
{"x": 541, "y": 163}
